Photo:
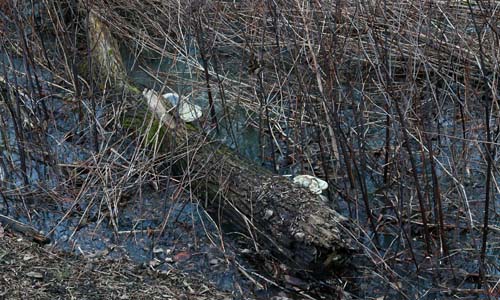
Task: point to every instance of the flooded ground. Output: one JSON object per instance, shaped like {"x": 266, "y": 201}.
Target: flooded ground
{"x": 155, "y": 225}
{"x": 190, "y": 242}
{"x": 163, "y": 230}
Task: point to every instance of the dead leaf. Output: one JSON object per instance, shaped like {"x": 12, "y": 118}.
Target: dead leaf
{"x": 182, "y": 256}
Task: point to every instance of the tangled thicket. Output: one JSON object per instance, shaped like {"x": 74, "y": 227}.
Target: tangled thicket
{"x": 394, "y": 103}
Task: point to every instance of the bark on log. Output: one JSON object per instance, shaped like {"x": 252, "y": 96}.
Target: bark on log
{"x": 292, "y": 222}
{"x": 289, "y": 221}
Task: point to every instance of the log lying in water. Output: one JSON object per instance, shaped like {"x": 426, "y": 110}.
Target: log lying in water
{"x": 290, "y": 222}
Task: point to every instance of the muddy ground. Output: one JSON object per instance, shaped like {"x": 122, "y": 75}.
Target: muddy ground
{"x": 31, "y": 271}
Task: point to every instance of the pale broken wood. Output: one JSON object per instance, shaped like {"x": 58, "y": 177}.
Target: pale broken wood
{"x": 103, "y": 47}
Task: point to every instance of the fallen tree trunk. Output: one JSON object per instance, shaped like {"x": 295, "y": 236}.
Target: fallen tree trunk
{"x": 290, "y": 222}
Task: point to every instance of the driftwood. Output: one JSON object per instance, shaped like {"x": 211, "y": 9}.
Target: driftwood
{"x": 25, "y": 229}
{"x": 290, "y": 222}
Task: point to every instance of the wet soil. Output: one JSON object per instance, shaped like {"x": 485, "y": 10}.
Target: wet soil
{"x": 30, "y": 271}
{"x": 188, "y": 246}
